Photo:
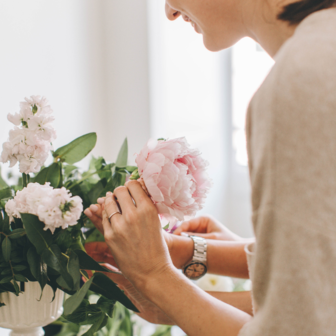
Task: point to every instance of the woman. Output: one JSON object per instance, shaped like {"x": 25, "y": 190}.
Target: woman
{"x": 291, "y": 132}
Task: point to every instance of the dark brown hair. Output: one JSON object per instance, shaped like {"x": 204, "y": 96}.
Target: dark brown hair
{"x": 297, "y": 11}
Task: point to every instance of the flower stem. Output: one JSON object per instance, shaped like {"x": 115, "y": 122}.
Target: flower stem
{"x": 25, "y": 179}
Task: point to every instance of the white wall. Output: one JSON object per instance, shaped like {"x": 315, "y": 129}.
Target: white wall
{"x": 88, "y": 57}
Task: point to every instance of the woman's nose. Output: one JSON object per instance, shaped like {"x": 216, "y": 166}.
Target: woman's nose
{"x": 171, "y": 13}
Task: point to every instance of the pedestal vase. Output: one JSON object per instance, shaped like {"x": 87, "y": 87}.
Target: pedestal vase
{"x": 25, "y": 315}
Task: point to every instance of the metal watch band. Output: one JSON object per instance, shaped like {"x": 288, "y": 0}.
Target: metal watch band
{"x": 200, "y": 249}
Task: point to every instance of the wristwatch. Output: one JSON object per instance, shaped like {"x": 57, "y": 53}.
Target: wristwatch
{"x": 197, "y": 267}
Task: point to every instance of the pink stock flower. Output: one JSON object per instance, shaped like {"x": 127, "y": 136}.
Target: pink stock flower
{"x": 174, "y": 176}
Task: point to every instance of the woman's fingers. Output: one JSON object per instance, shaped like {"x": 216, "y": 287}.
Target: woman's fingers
{"x": 202, "y": 235}
{"x": 96, "y": 209}
{"x": 101, "y": 200}
{"x": 111, "y": 208}
{"x": 97, "y": 221}
{"x": 194, "y": 225}
{"x": 100, "y": 252}
{"x": 124, "y": 198}
{"x": 108, "y": 232}
{"x": 137, "y": 193}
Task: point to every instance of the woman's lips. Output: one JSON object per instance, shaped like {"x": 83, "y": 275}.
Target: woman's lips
{"x": 193, "y": 24}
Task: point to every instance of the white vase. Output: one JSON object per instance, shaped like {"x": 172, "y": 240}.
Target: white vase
{"x": 25, "y": 315}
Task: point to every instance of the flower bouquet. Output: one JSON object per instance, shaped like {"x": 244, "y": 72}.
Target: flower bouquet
{"x": 43, "y": 229}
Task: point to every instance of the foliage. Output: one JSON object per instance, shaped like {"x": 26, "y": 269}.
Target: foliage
{"x": 119, "y": 323}
{"x": 29, "y": 253}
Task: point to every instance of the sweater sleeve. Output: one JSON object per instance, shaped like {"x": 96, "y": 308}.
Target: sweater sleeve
{"x": 292, "y": 152}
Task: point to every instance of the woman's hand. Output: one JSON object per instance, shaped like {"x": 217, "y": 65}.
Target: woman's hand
{"x": 147, "y": 310}
{"x": 207, "y": 227}
{"x": 180, "y": 248}
{"x": 135, "y": 236}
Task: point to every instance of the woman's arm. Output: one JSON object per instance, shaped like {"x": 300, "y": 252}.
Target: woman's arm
{"x": 149, "y": 311}
{"x": 239, "y": 300}
{"x": 137, "y": 244}
{"x": 224, "y": 257}
{"x": 193, "y": 310}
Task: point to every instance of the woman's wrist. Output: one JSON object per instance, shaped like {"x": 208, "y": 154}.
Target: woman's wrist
{"x": 153, "y": 286}
{"x": 181, "y": 251}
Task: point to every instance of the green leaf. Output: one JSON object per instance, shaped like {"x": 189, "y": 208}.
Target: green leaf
{"x": 16, "y": 287}
{"x": 5, "y": 226}
{"x": 52, "y": 256}
{"x": 54, "y": 174}
{"x": 6, "y": 193}
{"x": 123, "y": 155}
{"x": 19, "y": 268}
{"x": 6, "y": 271}
{"x": 99, "y": 324}
{"x": 166, "y": 227}
{"x": 3, "y": 184}
{"x": 96, "y": 190}
{"x": 17, "y": 233}
{"x": 74, "y": 301}
{"x": 6, "y": 279}
{"x": 41, "y": 177}
{"x": 37, "y": 267}
{"x": 103, "y": 285}
{"x": 6, "y": 248}
{"x": 68, "y": 169}
{"x": 163, "y": 331}
{"x": 87, "y": 263}
{"x": 34, "y": 228}
{"x": 135, "y": 175}
{"x": 73, "y": 269}
{"x": 77, "y": 149}
{"x": 86, "y": 313}
{"x": 50, "y": 174}
{"x": 17, "y": 259}
{"x": 19, "y": 277}
{"x": 95, "y": 236}
{"x": 64, "y": 239}
{"x": 106, "y": 305}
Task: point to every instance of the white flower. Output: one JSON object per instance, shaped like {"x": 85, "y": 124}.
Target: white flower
{"x": 215, "y": 283}
{"x": 54, "y": 207}
{"x": 30, "y": 143}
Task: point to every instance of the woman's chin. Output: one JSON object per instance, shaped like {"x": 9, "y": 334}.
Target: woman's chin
{"x": 212, "y": 45}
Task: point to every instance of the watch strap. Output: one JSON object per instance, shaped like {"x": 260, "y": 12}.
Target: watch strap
{"x": 200, "y": 249}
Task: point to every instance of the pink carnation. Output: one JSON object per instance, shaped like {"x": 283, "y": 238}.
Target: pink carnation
{"x": 175, "y": 176}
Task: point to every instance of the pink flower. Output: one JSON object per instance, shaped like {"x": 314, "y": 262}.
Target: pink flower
{"x": 174, "y": 175}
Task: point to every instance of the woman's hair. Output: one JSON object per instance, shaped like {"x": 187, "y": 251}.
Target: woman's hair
{"x": 297, "y": 11}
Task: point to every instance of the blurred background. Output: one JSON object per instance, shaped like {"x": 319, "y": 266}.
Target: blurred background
{"x": 121, "y": 69}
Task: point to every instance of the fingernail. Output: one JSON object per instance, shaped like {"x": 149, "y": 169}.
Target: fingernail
{"x": 184, "y": 234}
{"x": 109, "y": 193}
{"x": 88, "y": 213}
{"x": 93, "y": 208}
{"x": 101, "y": 200}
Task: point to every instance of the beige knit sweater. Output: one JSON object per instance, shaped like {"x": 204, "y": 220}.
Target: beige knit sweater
{"x": 291, "y": 131}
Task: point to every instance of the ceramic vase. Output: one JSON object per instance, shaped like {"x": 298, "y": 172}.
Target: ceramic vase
{"x": 25, "y": 315}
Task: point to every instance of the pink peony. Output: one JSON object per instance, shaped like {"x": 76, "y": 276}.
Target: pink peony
{"x": 175, "y": 176}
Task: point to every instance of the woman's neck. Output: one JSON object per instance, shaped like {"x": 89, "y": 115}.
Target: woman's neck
{"x": 262, "y": 25}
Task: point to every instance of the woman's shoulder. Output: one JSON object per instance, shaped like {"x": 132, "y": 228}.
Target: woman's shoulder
{"x": 311, "y": 52}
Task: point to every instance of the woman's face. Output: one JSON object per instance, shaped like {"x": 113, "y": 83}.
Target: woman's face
{"x": 219, "y": 21}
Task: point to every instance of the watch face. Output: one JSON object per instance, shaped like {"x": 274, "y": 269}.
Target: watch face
{"x": 195, "y": 270}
